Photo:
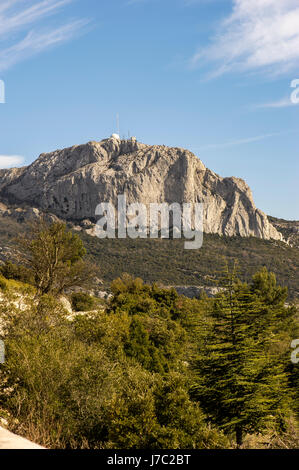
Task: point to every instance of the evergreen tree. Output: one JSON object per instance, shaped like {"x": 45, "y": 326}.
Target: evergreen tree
{"x": 240, "y": 382}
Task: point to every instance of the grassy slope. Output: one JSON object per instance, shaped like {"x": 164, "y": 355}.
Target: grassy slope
{"x": 167, "y": 262}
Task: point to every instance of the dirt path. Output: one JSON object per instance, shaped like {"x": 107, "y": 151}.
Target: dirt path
{"x": 8, "y": 440}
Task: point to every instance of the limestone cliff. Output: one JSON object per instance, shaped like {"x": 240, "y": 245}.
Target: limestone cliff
{"x": 72, "y": 182}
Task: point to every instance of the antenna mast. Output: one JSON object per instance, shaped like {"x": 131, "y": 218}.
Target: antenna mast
{"x": 117, "y": 124}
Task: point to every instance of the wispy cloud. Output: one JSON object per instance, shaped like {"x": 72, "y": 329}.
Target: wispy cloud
{"x": 236, "y": 142}
{"x": 283, "y": 103}
{"x": 23, "y": 31}
{"x": 35, "y": 42}
{"x": 135, "y": 2}
{"x": 202, "y": 2}
{"x": 258, "y": 35}
{"x": 186, "y": 3}
{"x": 8, "y": 161}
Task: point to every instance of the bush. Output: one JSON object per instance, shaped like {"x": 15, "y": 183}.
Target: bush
{"x": 82, "y": 302}
{"x": 3, "y": 283}
{"x": 120, "y": 377}
{"x": 17, "y": 272}
{"x": 66, "y": 388}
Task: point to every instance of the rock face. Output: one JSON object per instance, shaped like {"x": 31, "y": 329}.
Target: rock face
{"x": 25, "y": 214}
{"x": 72, "y": 182}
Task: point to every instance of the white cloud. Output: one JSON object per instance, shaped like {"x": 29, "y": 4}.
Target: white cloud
{"x": 259, "y": 35}
{"x": 247, "y": 140}
{"x": 134, "y": 2}
{"x": 35, "y": 42}
{"x": 19, "y": 41}
{"x": 20, "y": 17}
{"x": 283, "y": 103}
{"x": 8, "y": 161}
{"x": 202, "y": 2}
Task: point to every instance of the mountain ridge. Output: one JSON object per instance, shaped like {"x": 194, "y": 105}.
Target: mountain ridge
{"x": 71, "y": 182}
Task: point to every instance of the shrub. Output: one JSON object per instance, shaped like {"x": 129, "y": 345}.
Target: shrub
{"x": 3, "y": 283}
{"x": 17, "y": 272}
{"x": 82, "y": 302}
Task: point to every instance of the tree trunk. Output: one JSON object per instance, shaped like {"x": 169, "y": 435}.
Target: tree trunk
{"x": 239, "y": 436}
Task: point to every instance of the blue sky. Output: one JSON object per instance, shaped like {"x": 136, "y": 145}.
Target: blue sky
{"x": 213, "y": 76}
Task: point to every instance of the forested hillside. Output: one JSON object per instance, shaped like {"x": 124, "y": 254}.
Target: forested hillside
{"x": 167, "y": 262}
{"x": 147, "y": 368}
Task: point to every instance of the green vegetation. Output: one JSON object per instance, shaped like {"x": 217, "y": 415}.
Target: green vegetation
{"x": 82, "y": 302}
{"x": 75, "y": 384}
{"x": 168, "y": 263}
{"x": 150, "y": 368}
{"x": 54, "y": 257}
{"x": 242, "y": 379}
{"x": 16, "y": 271}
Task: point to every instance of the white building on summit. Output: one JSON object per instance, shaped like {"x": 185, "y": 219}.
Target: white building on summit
{"x": 115, "y": 137}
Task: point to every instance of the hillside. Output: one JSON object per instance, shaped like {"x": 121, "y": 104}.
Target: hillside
{"x": 81, "y": 381}
{"x": 69, "y": 184}
{"x": 288, "y": 228}
{"x": 167, "y": 262}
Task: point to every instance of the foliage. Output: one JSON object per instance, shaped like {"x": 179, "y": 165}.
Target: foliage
{"x": 54, "y": 256}
{"x": 166, "y": 261}
{"x": 3, "y": 284}
{"x": 82, "y": 302}
{"x": 155, "y": 338}
{"x": 242, "y": 382}
{"x": 153, "y": 369}
{"x": 18, "y": 272}
{"x": 71, "y": 385}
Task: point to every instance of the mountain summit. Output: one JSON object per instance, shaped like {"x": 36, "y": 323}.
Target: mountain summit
{"x": 72, "y": 182}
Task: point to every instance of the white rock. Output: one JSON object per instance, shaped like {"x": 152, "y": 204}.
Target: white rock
{"x": 72, "y": 182}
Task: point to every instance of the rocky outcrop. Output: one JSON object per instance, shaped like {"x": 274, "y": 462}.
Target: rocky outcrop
{"x": 7, "y": 176}
{"x": 194, "y": 292}
{"x": 72, "y": 182}
{"x": 289, "y": 230}
{"x": 25, "y": 214}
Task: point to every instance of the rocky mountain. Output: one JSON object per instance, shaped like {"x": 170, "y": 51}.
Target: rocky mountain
{"x": 288, "y": 228}
{"x": 70, "y": 183}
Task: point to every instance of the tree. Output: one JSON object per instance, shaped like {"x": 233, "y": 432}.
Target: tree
{"x": 265, "y": 286}
{"x": 55, "y": 256}
{"x": 278, "y": 315}
{"x": 241, "y": 383}
{"x": 156, "y": 339}
{"x": 68, "y": 384}
{"x": 285, "y": 325}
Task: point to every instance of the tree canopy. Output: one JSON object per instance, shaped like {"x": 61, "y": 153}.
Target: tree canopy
{"x": 55, "y": 257}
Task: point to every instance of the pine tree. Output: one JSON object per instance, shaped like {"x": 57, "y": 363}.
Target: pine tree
{"x": 240, "y": 383}
{"x": 282, "y": 318}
